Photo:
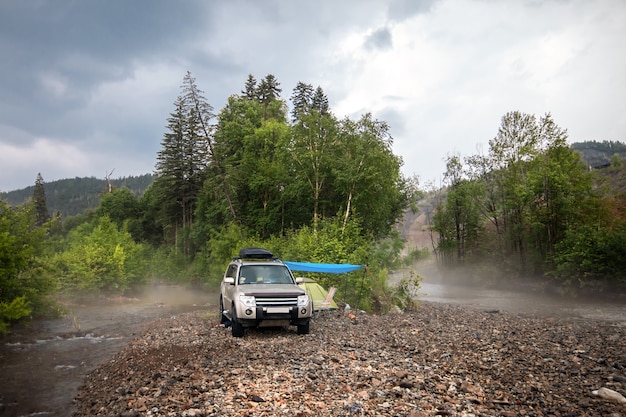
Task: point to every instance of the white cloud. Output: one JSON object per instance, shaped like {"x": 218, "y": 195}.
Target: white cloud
{"x": 53, "y": 159}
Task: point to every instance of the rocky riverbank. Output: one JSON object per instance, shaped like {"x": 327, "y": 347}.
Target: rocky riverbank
{"x": 439, "y": 360}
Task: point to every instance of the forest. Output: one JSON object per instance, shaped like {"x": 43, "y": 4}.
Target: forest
{"x": 289, "y": 176}
{"x": 532, "y": 206}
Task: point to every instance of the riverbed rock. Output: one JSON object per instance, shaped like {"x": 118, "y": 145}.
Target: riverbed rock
{"x": 439, "y": 360}
{"x": 610, "y": 395}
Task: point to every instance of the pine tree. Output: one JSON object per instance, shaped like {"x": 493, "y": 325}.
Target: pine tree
{"x": 39, "y": 198}
{"x": 182, "y": 163}
{"x": 320, "y": 102}
{"x": 306, "y": 100}
{"x": 269, "y": 89}
{"x": 249, "y": 91}
{"x": 301, "y": 100}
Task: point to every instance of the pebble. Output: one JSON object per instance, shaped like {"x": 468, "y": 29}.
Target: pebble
{"x": 609, "y": 394}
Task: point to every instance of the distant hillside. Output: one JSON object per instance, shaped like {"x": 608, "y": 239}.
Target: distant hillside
{"x": 74, "y": 196}
{"x": 599, "y": 154}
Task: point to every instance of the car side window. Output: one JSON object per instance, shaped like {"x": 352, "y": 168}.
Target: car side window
{"x": 231, "y": 272}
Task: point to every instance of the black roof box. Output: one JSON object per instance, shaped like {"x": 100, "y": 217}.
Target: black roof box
{"x": 255, "y": 253}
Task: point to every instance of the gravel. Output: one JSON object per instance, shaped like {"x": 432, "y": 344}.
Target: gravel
{"x": 440, "y": 360}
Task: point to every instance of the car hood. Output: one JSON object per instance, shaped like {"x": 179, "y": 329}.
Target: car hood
{"x": 267, "y": 290}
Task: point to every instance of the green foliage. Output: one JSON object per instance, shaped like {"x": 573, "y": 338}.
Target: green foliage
{"x": 24, "y": 278}
{"x": 182, "y": 164}
{"x": 527, "y": 206}
{"x": 39, "y": 199}
{"x": 457, "y": 220}
{"x": 592, "y": 256}
{"x": 123, "y": 209}
{"x": 405, "y": 293}
{"x": 99, "y": 256}
{"x": 400, "y": 291}
{"x": 383, "y": 296}
{"x": 166, "y": 264}
{"x": 364, "y": 169}
{"x": 270, "y": 177}
{"x": 415, "y": 255}
{"x": 13, "y": 311}
{"x": 331, "y": 243}
{"x": 616, "y": 162}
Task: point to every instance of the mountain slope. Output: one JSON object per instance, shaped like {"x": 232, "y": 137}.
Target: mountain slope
{"x": 74, "y": 196}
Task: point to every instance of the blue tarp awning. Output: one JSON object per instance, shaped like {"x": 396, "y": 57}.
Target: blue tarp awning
{"x": 325, "y": 268}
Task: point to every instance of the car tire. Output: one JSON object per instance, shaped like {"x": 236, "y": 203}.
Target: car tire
{"x": 303, "y": 328}
{"x": 237, "y": 327}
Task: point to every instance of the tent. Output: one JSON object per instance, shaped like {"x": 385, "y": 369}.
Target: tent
{"x": 322, "y": 299}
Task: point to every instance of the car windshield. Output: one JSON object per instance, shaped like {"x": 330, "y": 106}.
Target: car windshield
{"x": 264, "y": 274}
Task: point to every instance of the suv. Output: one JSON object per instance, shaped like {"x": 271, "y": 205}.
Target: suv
{"x": 259, "y": 290}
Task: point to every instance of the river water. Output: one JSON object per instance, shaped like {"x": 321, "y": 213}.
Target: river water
{"x": 44, "y": 363}
{"x": 525, "y": 303}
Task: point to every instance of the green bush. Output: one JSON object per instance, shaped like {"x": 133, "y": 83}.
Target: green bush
{"x": 100, "y": 257}
{"x": 11, "y": 312}
{"x": 592, "y": 257}
{"x": 25, "y": 280}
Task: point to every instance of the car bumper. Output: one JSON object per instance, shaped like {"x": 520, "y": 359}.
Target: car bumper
{"x": 264, "y": 316}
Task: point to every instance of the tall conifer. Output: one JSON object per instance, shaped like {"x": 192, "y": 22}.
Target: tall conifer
{"x": 181, "y": 164}
{"x": 39, "y": 199}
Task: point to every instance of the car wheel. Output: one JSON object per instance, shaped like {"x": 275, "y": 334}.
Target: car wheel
{"x": 237, "y": 328}
{"x": 303, "y": 328}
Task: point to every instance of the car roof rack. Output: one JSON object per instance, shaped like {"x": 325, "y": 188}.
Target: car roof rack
{"x": 255, "y": 253}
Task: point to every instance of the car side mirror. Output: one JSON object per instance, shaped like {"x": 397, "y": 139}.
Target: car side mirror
{"x": 299, "y": 280}
{"x": 229, "y": 280}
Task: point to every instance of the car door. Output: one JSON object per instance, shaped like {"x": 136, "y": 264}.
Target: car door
{"x": 228, "y": 290}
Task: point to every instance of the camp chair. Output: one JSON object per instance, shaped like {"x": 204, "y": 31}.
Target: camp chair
{"x": 324, "y": 307}
{"x": 329, "y": 298}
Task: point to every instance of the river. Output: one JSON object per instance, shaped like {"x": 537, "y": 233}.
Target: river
{"x": 44, "y": 363}
{"x": 524, "y": 302}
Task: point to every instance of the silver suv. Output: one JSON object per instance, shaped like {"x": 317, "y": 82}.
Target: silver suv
{"x": 259, "y": 290}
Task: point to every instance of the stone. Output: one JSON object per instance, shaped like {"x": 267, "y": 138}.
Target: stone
{"x": 610, "y": 395}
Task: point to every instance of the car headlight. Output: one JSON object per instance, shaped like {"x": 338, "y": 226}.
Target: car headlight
{"x": 303, "y": 300}
{"x": 247, "y": 300}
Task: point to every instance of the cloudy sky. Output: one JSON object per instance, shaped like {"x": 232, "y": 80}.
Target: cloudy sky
{"x": 86, "y": 86}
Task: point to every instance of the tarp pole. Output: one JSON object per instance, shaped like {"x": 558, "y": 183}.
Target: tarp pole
{"x": 345, "y": 289}
{"x": 361, "y": 290}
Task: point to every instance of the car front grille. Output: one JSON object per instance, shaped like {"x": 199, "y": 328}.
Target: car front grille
{"x": 276, "y": 301}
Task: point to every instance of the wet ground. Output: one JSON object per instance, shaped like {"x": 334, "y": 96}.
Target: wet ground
{"x": 524, "y": 302}
{"x": 44, "y": 363}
